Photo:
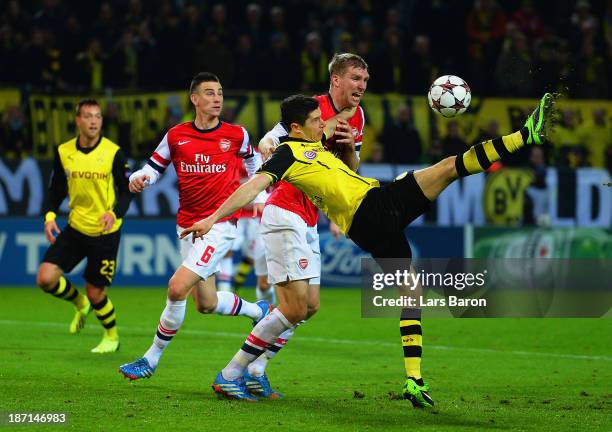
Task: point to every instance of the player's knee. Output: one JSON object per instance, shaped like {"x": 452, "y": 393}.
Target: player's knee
{"x": 449, "y": 171}
{"x": 46, "y": 280}
{"x": 176, "y": 289}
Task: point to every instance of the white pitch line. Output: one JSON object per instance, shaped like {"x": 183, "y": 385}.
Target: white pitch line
{"x": 336, "y": 341}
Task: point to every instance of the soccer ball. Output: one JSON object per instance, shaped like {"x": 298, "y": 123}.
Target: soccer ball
{"x": 449, "y": 95}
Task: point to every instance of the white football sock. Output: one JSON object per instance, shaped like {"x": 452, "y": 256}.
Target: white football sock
{"x": 230, "y": 304}
{"x": 170, "y": 321}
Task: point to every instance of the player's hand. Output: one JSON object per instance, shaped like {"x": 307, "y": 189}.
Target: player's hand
{"x": 198, "y": 229}
{"x": 335, "y": 230}
{"x": 258, "y": 209}
{"x": 107, "y": 220}
{"x": 266, "y": 148}
{"x": 51, "y": 228}
{"x": 344, "y": 136}
{"x": 139, "y": 183}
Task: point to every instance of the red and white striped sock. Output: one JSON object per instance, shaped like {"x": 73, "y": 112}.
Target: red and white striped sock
{"x": 170, "y": 321}
{"x": 262, "y": 336}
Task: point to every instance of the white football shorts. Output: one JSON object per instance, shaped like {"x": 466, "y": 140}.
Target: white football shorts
{"x": 204, "y": 256}
{"x": 291, "y": 247}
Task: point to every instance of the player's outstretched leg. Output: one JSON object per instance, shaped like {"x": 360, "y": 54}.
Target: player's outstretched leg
{"x": 434, "y": 179}
{"x": 417, "y": 393}
{"x": 481, "y": 156}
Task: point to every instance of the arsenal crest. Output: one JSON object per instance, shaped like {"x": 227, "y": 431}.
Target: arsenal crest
{"x": 224, "y": 144}
{"x": 303, "y": 263}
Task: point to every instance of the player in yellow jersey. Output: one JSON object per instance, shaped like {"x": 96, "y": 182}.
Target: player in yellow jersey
{"x": 92, "y": 172}
{"x": 373, "y": 217}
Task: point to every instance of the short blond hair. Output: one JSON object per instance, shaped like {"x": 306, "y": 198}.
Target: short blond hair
{"x": 340, "y": 62}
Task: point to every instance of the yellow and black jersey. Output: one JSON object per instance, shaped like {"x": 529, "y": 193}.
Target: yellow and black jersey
{"x": 327, "y": 181}
{"x": 95, "y": 181}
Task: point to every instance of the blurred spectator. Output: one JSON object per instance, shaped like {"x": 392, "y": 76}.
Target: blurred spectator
{"x": 213, "y": 56}
{"x": 314, "y": 62}
{"x": 278, "y": 70}
{"x": 400, "y": 139}
{"x": 254, "y": 26}
{"x": 485, "y": 28}
{"x": 123, "y": 63}
{"x": 14, "y": 133}
{"x": 106, "y": 27}
{"x": 220, "y": 26}
{"x": 527, "y": 21}
{"x": 248, "y": 65}
{"x": 551, "y": 65}
{"x": 584, "y": 24}
{"x": 452, "y": 143}
{"x": 136, "y": 15}
{"x": 514, "y": 65}
{"x": 418, "y": 70}
{"x": 148, "y": 58}
{"x": 389, "y": 64}
{"x": 592, "y": 74}
{"x": 51, "y": 16}
{"x": 596, "y": 137}
{"x": 91, "y": 63}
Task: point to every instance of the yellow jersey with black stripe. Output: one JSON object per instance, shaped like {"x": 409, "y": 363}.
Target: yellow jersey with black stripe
{"x": 327, "y": 181}
{"x": 95, "y": 181}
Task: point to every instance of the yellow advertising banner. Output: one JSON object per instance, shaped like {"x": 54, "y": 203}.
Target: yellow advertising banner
{"x": 142, "y": 119}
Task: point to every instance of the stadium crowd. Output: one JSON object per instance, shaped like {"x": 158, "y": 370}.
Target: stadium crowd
{"x": 286, "y": 45}
{"x": 501, "y": 47}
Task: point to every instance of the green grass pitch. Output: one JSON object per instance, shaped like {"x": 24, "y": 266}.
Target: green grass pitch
{"x": 340, "y": 372}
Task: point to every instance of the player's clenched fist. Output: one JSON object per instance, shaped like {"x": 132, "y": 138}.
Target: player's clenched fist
{"x": 139, "y": 183}
{"x": 344, "y": 135}
{"x": 199, "y": 229}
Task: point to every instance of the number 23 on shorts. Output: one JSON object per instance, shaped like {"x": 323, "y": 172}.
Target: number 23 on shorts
{"x": 207, "y": 255}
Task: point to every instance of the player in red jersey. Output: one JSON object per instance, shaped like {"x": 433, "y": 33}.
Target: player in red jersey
{"x": 289, "y": 220}
{"x": 207, "y": 155}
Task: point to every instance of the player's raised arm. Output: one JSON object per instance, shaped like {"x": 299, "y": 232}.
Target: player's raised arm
{"x": 271, "y": 140}
{"x": 154, "y": 168}
{"x": 241, "y": 197}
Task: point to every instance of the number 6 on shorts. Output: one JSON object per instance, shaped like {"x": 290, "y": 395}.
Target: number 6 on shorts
{"x": 207, "y": 254}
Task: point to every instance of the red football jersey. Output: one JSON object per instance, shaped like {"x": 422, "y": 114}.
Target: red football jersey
{"x": 207, "y": 164}
{"x": 289, "y": 197}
